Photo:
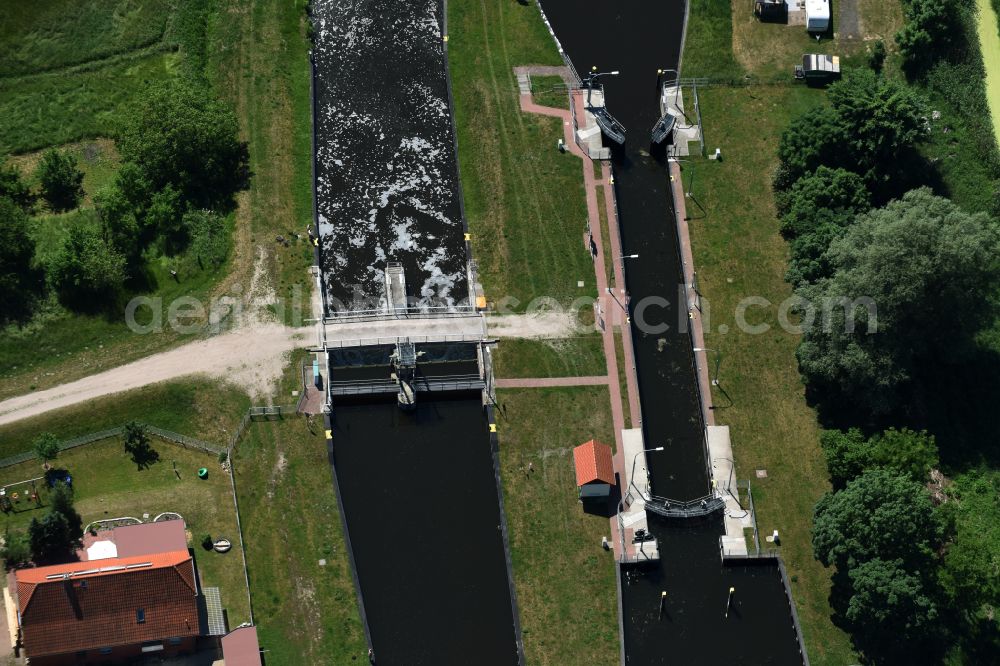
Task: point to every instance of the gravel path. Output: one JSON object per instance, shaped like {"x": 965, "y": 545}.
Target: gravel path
{"x": 251, "y": 357}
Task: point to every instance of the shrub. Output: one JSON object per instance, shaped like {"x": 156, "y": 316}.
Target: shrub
{"x": 61, "y": 180}
{"x": 46, "y": 446}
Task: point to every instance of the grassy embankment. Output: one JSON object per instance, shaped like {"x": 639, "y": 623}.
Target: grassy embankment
{"x": 524, "y": 199}
{"x": 565, "y": 581}
{"x": 527, "y": 214}
{"x": 307, "y": 612}
{"x": 738, "y": 252}
{"x": 76, "y": 69}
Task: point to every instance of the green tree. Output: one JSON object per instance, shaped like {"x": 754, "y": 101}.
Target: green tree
{"x": 906, "y": 452}
{"x": 61, "y": 180}
{"x": 926, "y": 270}
{"x": 46, "y": 446}
{"x": 826, "y": 196}
{"x": 87, "y": 272}
{"x": 13, "y": 187}
{"x": 971, "y": 572}
{"x": 813, "y": 139}
{"x": 16, "y": 549}
{"x": 180, "y": 136}
{"x": 138, "y": 446}
{"x": 931, "y": 28}
{"x": 892, "y": 611}
{"x": 165, "y": 215}
{"x": 62, "y": 503}
{"x": 883, "y": 119}
{"x": 871, "y": 127}
{"x": 18, "y": 279}
{"x": 50, "y": 537}
{"x": 808, "y": 262}
{"x": 847, "y": 455}
{"x": 209, "y": 238}
{"x": 119, "y": 226}
{"x": 879, "y": 515}
{"x": 876, "y": 56}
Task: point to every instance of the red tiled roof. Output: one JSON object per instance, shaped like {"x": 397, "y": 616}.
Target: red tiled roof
{"x": 593, "y": 463}
{"x": 91, "y": 605}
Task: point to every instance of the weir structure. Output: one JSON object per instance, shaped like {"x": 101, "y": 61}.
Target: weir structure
{"x": 410, "y": 427}
{"x": 689, "y": 593}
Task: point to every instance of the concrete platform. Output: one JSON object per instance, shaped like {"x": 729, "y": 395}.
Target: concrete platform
{"x": 686, "y": 130}
{"x": 588, "y": 134}
{"x": 468, "y": 328}
{"x": 738, "y": 518}
{"x": 632, "y": 517}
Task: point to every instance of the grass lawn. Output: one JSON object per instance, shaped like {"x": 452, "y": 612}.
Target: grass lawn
{"x": 565, "y": 581}
{"x": 989, "y": 41}
{"x": 550, "y": 91}
{"x": 255, "y": 59}
{"x": 308, "y": 613}
{"x": 524, "y": 200}
{"x": 739, "y": 252}
{"x": 195, "y": 407}
{"x": 581, "y": 356}
{"x": 259, "y": 62}
{"x": 42, "y": 36}
{"x": 107, "y": 484}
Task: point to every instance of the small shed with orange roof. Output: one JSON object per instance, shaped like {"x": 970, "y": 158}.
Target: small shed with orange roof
{"x": 595, "y": 472}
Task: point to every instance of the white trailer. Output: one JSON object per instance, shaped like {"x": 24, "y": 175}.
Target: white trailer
{"x": 817, "y": 15}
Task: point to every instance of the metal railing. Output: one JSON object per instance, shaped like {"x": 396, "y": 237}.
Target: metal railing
{"x": 410, "y": 312}
{"x": 369, "y": 342}
{"x": 696, "y": 508}
{"x": 470, "y": 382}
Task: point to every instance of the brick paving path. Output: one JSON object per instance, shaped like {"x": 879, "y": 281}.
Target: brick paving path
{"x": 608, "y": 307}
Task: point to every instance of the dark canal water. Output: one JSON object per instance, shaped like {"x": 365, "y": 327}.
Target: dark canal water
{"x": 386, "y": 171}
{"x": 637, "y": 38}
{"x": 420, "y": 498}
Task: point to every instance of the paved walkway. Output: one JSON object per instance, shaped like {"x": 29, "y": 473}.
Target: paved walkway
{"x": 609, "y": 311}
{"x": 545, "y": 382}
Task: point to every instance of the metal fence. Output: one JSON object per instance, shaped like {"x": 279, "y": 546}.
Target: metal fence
{"x": 177, "y": 438}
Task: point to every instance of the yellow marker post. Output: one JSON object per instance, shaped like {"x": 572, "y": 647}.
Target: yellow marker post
{"x": 611, "y": 180}
{"x": 493, "y": 427}
{"x": 329, "y": 434}
{"x": 468, "y": 237}
{"x": 446, "y": 38}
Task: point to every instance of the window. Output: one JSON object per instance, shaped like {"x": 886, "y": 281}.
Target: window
{"x": 140, "y": 616}
{"x": 176, "y": 640}
{"x": 106, "y": 650}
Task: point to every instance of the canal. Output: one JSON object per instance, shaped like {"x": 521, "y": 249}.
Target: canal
{"x": 637, "y": 38}
{"x": 386, "y": 170}
{"x": 419, "y": 495}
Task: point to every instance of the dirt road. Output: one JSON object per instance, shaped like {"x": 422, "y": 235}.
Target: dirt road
{"x": 251, "y": 358}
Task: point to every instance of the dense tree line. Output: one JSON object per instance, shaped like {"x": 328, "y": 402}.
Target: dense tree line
{"x": 183, "y": 162}
{"x": 913, "y": 282}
